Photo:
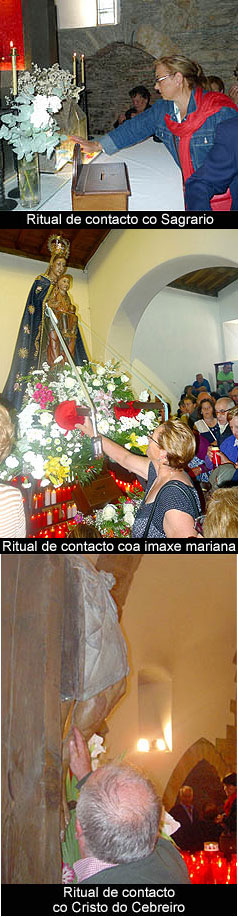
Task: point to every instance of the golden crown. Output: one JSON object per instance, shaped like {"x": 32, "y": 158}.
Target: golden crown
{"x": 57, "y": 245}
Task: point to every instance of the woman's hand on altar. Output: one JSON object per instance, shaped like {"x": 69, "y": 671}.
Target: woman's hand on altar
{"x": 85, "y": 427}
{"x": 88, "y": 146}
{"x": 79, "y": 756}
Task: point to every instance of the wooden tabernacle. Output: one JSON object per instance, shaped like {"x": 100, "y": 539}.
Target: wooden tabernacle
{"x": 99, "y": 186}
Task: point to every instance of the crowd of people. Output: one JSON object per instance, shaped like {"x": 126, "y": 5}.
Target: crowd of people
{"x": 120, "y": 824}
{"x": 197, "y": 122}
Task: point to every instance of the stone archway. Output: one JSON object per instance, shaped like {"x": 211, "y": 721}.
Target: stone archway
{"x": 111, "y": 72}
{"x": 200, "y": 750}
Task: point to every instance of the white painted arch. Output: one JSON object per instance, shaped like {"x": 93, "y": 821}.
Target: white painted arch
{"x": 131, "y": 266}
{"x": 140, "y": 295}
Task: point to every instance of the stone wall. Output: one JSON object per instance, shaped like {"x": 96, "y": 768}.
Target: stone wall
{"x": 119, "y": 57}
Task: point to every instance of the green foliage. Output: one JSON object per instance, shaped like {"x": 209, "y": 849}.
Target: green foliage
{"x": 69, "y": 846}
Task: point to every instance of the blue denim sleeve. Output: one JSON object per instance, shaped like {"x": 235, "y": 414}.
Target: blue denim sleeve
{"x": 218, "y": 170}
{"x": 136, "y": 129}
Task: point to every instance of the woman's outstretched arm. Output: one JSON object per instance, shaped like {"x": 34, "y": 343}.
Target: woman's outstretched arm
{"x": 137, "y": 464}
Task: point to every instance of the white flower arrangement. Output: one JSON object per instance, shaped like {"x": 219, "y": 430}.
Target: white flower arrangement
{"x": 117, "y": 521}
{"x": 29, "y": 126}
{"x": 44, "y": 450}
{"x": 49, "y": 81}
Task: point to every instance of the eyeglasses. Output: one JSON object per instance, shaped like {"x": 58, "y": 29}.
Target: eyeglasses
{"x": 158, "y": 79}
{"x": 152, "y": 437}
{"x": 220, "y": 412}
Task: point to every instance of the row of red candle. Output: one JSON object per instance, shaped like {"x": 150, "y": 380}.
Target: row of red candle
{"x": 54, "y": 515}
{"x": 208, "y": 868}
{"x": 53, "y": 495}
{"x": 56, "y": 531}
{"x": 125, "y": 486}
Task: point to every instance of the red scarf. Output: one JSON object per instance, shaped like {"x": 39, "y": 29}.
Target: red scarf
{"x": 206, "y": 105}
{"x": 229, "y": 803}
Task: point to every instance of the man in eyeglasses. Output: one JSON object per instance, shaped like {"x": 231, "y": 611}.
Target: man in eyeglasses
{"x": 222, "y": 406}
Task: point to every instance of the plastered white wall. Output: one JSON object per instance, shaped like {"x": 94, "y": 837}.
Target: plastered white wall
{"x": 180, "y": 613}
{"x": 178, "y": 336}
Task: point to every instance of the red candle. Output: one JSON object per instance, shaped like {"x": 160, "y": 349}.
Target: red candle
{"x": 33, "y": 524}
{"x": 39, "y": 521}
{"x": 44, "y": 518}
{"x": 59, "y": 494}
{"x": 68, "y": 493}
{"x": 56, "y": 514}
{"x": 40, "y": 501}
{"x": 35, "y": 502}
{"x": 63, "y": 510}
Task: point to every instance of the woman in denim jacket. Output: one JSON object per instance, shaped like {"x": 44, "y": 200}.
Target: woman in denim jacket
{"x": 185, "y": 118}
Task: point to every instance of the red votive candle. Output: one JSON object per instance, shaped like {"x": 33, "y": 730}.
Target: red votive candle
{"x": 33, "y": 524}
{"x": 56, "y": 514}
{"x": 40, "y": 501}
{"x": 63, "y": 510}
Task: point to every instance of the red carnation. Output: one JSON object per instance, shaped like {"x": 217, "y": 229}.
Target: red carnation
{"x": 67, "y": 415}
{"x": 125, "y": 409}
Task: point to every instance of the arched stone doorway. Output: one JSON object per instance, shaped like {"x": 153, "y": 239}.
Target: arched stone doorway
{"x": 213, "y": 764}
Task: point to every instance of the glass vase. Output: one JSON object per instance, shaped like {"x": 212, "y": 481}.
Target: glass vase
{"x": 29, "y": 182}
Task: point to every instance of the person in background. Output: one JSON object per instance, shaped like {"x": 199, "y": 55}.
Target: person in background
{"x": 189, "y": 411}
{"x": 221, "y": 519}
{"x": 207, "y": 424}
{"x": 12, "y": 516}
{"x": 233, "y": 91}
{"x": 215, "y": 84}
{"x": 225, "y": 378}
{"x": 188, "y": 836}
{"x": 200, "y": 384}
{"x": 229, "y": 448}
{"x": 234, "y": 394}
{"x": 118, "y": 816}
{"x": 140, "y": 97}
{"x": 229, "y": 817}
{"x": 210, "y": 829}
{"x": 222, "y": 408}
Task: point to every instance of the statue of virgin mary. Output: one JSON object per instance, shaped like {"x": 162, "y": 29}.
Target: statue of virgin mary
{"x": 31, "y": 345}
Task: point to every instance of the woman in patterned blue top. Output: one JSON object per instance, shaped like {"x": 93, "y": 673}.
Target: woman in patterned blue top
{"x": 171, "y": 503}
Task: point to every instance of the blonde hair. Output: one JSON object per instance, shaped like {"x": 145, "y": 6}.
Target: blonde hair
{"x": 178, "y": 441}
{"x": 190, "y": 69}
{"x": 221, "y": 519}
{"x": 232, "y": 413}
{"x": 6, "y": 433}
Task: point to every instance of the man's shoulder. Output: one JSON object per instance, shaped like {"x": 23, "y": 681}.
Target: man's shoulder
{"x": 164, "y": 864}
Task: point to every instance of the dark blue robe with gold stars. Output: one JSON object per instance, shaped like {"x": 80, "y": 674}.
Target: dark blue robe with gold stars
{"x": 28, "y": 350}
